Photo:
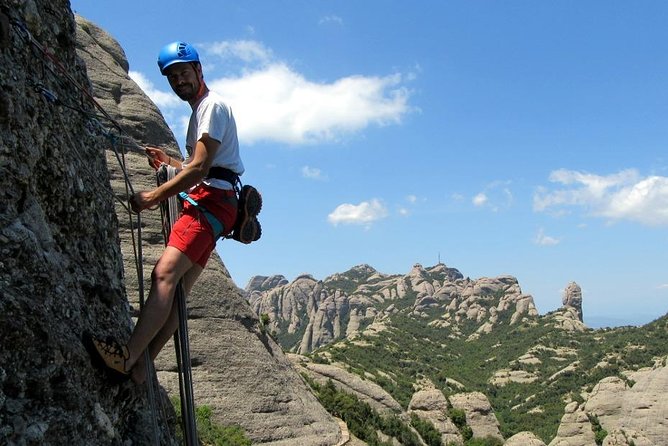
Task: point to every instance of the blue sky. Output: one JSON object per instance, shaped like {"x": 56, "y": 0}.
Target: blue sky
{"x": 519, "y": 137}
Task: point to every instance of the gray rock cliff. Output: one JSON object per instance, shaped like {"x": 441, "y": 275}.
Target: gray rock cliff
{"x": 61, "y": 267}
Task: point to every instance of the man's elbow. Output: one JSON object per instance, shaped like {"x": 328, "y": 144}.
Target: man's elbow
{"x": 198, "y": 171}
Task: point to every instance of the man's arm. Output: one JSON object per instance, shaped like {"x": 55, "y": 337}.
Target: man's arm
{"x": 192, "y": 174}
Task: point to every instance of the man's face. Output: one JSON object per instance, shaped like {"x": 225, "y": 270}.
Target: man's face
{"x": 184, "y": 80}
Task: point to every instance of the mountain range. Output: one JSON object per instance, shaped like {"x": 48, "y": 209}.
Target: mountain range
{"x": 435, "y": 330}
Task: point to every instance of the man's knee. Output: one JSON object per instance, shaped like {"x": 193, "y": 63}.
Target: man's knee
{"x": 171, "y": 267}
{"x": 163, "y": 274}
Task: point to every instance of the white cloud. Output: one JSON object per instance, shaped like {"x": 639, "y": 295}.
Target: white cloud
{"x": 545, "y": 240}
{"x": 279, "y": 104}
{"x": 313, "y": 173}
{"x": 411, "y": 198}
{"x": 480, "y": 199}
{"x": 495, "y": 196}
{"x": 621, "y": 196}
{"x": 162, "y": 99}
{"x": 364, "y": 213}
{"x": 331, "y": 19}
{"x": 663, "y": 285}
{"x": 249, "y": 51}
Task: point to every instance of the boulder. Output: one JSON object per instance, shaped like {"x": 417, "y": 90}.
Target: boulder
{"x": 524, "y": 439}
{"x": 431, "y": 405}
{"x": 575, "y": 428}
{"x": 479, "y": 414}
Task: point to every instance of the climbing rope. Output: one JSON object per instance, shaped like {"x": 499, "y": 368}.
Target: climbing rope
{"x": 169, "y": 210}
{"x": 95, "y": 128}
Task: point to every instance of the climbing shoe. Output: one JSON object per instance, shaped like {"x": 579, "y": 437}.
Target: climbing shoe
{"x": 247, "y": 228}
{"x": 110, "y": 354}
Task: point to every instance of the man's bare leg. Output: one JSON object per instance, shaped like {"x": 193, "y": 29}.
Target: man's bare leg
{"x": 172, "y": 324}
{"x": 173, "y": 264}
{"x": 168, "y": 329}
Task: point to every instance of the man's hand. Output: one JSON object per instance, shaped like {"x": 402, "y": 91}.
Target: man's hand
{"x": 156, "y": 157}
{"x": 142, "y": 200}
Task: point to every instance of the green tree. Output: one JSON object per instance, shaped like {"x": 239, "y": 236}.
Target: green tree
{"x": 209, "y": 432}
{"x": 427, "y": 431}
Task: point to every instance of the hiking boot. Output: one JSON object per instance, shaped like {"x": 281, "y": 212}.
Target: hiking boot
{"x": 247, "y": 228}
{"x": 248, "y": 232}
{"x": 250, "y": 201}
{"x": 112, "y": 355}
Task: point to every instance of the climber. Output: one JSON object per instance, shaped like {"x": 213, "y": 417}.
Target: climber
{"x": 210, "y": 175}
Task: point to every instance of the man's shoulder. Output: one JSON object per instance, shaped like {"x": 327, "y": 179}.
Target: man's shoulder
{"x": 214, "y": 105}
{"x": 214, "y": 99}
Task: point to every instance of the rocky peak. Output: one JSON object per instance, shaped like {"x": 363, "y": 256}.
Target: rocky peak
{"x": 361, "y": 270}
{"x": 417, "y": 270}
{"x": 441, "y": 269}
{"x": 265, "y": 283}
{"x": 352, "y": 278}
{"x": 572, "y": 297}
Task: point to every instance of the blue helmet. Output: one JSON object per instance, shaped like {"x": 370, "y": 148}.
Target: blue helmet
{"x": 176, "y": 52}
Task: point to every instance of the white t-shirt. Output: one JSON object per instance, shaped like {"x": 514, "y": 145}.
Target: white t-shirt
{"x": 211, "y": 115}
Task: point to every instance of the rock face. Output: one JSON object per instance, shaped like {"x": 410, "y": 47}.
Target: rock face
{"x": 61, "y": 269}
{"x": 237, "y": 370}
{"x": 575, "y": 428}
{"x": 479, "y": 414}
{"x": 573, "y": 298}
{"x": 431, "y": 405}
{"x": 644, "y": 407}
{"x": 308, "y": 313}
{"x": 364, "y": 390}
{"x": 636, "y": 414}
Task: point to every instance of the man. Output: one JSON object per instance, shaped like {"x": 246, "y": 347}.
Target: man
{"x": 210, "y": 174}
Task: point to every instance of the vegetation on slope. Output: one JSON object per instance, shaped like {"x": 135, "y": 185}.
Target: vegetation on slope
{"x": 411, "y": 349}
{"x": 209, "y": 432}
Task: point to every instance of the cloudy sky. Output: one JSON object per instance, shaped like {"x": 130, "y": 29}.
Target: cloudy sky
{"x": 523, "y": 137}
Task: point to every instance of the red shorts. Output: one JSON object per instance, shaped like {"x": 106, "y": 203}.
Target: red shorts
{"x": 192, "y": 233}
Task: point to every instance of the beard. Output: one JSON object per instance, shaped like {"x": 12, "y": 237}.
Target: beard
{"x": 186, "y": 92}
